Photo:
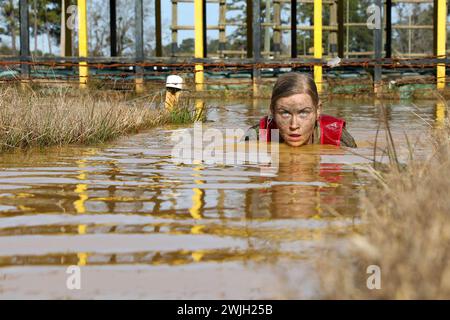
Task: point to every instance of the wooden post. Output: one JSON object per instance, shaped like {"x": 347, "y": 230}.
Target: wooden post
{"x": 113, "y": 27}
{"x": 199, "y": 42}
{"x": 318, "y": 43}
{"x": 333, "y": 34}
{"x": 277, "y": 29}
{"x": 256, "y": 26}
{"x": 441, "y": 35}
{"x": 378, "y": 45}
{"x": 24, "y": 39}
{"x": 174, "y": 47}
{"x": 66, "y": 33}
{"x": 347, "y": 29}
{"x": 341, "y": 30}
{"x": 267, "y": 29}
{"x": 388, "y": 44}
{"x": 222, "y": 25}
{"x": 139, "y": 44}
{"x": 83, "y": 43}
{"x": 294, "y": 29}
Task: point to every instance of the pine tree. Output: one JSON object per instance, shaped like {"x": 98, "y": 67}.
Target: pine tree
{"x": 10, "y": 26}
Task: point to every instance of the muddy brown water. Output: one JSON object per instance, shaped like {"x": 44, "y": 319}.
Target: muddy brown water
{"x": 140, "y": 225}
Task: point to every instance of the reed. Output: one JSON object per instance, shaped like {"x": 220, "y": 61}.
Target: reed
{"x": 31, "y": 118}
{"x": 405, "y": 230}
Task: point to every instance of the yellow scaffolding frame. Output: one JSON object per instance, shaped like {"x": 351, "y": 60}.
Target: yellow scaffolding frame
{"x": 199, "y": 50}
{"x": 318, "y": 43}
{"x": 83, "y": 42}
{"x": 441, "y": 41}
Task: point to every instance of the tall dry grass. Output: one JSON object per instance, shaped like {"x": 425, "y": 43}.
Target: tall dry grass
{"x": 405, "y": 231}
{"x": 37, "y": 119}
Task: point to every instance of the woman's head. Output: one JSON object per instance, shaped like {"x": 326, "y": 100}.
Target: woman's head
{"x": 295, "y": 107}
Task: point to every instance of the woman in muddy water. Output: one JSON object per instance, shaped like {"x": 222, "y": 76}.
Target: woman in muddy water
{"x": 296, "y": 111}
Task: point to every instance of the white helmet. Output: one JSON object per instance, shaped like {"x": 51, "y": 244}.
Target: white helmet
{"x": 174, "y": 81}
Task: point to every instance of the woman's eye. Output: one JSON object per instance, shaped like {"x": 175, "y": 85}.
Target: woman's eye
{"x": 304, "y": 113}
{"x": 285, "y": 114}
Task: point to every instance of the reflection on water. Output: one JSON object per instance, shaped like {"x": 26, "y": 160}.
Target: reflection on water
{"x": 128, "y": 203}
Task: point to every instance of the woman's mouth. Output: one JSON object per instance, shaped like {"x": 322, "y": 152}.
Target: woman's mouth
{"x": 294, "y": 137}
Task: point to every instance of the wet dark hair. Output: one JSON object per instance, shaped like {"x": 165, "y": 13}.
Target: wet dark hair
{"x": 292, "y": 83}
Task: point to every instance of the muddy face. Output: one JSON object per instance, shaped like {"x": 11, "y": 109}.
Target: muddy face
{"x": 296, "y": 117}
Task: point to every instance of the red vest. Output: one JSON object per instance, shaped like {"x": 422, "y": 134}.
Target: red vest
{"x": 330, "y": 129}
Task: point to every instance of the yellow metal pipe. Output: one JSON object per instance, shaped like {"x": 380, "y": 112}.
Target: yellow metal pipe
{"x": 198, "y": 202}
{"x": 198, "y": 196}
{"x": 441, "y": 39}
{"x": 318, "y": 42}
{"x": 81, "y": 191}
{"x": 82, "y": 42}
{"x": 198, "y": 27}
{"x": 440, "y": 114}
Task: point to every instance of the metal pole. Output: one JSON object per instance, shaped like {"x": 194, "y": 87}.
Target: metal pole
{"x": 294, "y": 29}
{"x": 341, "y": 29}
{"x": 409, "y": 34}
{"x": 24, "y": 38}
{"x": 204, "y": 30}
{"x": 388, "y": 45}
{"x": 378, "y": 45}
{"x": 249, "y": 22}
{"x": 256, "y": 26}
{"x": 435, "y": 6}
{"x": 113, "y": 27}
{"x": 158, "y": 28}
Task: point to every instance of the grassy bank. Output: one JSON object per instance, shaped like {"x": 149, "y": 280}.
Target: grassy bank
{"x": 405, "y": 231}
{"x": 31, "y": 118}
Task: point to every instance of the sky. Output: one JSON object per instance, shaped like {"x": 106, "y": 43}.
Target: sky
{"x": 185, "y": 17}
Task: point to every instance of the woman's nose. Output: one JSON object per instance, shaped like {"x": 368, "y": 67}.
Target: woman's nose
{"x": 295, "y": 123}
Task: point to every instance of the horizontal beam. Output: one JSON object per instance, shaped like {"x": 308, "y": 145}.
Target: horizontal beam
{"x": 192, "y": 1}
{"x": 211, "y": 27}
{"x": 304, "y": 1}
{"x": 405, "y": 26}
{"x": 125, "y": 62}
{"x": 310, "y": 28}
{"x": 412, "y": 1}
